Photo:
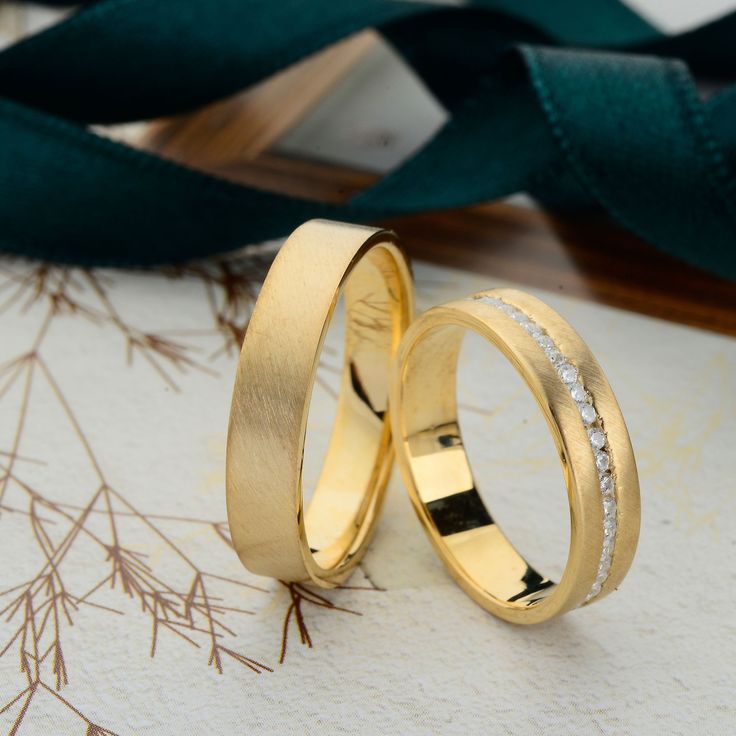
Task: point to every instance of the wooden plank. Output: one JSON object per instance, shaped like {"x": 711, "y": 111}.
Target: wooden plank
{"x": 584, "y": 256}
{"x": 244, "y": 125}
{"x": 587, "y": 257}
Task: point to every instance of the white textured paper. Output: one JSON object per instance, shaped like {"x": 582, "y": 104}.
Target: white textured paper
{"x": 140, "y": 445}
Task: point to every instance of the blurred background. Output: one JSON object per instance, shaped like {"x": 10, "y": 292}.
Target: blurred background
{"x": 334, "y": 123}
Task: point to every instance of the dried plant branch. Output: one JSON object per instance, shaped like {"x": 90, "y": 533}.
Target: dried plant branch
{"x": 299, "y": 594}
{"x": 38, "y": 610}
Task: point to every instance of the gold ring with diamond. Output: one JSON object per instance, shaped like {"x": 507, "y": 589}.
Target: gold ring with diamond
{"x": 589, "y": 433}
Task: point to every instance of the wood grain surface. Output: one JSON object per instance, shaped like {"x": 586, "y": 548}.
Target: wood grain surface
{"x": 244, "y": 125}
{"x": 581, "y": 255}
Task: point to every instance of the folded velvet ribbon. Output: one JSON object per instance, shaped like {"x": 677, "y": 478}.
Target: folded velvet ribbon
{"x": 580, "y": 103}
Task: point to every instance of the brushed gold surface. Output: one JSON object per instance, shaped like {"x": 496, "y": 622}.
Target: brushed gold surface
{"x": 273, "y": 387}
{"x": 439, "y": 479}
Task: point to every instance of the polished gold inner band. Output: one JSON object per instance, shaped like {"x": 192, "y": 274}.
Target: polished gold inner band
{"x": 439, "y": 479}
{"x": 320, "y": 261}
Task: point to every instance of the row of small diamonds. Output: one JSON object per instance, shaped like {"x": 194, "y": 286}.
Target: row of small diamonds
{"x": 598, "y": 441}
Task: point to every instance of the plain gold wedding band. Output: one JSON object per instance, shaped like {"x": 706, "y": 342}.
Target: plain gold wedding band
{"x": 270, "y": 530}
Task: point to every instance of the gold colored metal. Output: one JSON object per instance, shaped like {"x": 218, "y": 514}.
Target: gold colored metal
{"x": 278, "y": 363}
{"x": 437, "y": 473}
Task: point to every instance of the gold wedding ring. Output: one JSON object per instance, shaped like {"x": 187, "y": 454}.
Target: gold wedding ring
{"x": 588, "y": 430}
{"x": 270, "y": 531}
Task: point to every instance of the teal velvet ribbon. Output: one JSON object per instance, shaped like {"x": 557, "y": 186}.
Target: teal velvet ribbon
{"x": 581, "y": 103}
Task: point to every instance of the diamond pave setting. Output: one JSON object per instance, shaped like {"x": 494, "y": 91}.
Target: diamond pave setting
{"x": 599, "y": 445}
